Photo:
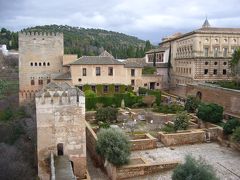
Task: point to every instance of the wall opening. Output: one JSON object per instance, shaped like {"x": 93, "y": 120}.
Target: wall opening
{"x": 60, "y": 149}
{"x": 72, "y": 166}
{"x": 199, "y": 95}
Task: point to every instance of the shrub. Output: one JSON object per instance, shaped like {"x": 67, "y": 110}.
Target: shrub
{"x": 210, "y": 112}
{"x": 149, "y": 70}
{"x": 106, "y": 114}
{"x": 230, "y": 125}
{"x": 90, "y": 93}
{"x": 172, "y": 108}
{"x": 6, "y": 114}
{"x": 193, "y": 169}
{"x": 236, "y": 135}
{"x": 191, "y": 104}
{"x": 113, "y": 145}
{"x": 86, "y": 87}
{"x": 168, "y": 128}
{"x": 182, "y": 121}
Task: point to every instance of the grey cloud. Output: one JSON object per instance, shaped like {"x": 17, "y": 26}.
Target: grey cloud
{"x": 146, "y": 19}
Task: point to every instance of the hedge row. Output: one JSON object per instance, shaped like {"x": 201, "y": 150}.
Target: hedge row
{"x": 111, "y": 89}
{"x": 115, "y": 100}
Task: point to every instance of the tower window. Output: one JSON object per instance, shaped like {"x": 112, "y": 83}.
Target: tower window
{"x": 35, "y": 64}
{"x": 48, "y": 64}
{"x": 44, "y": 64}
{"x": 31, "y": 63}
{"x": 205, "y": 71}
{"x": 215, "y": 63}
{"x": 40, "y": 64}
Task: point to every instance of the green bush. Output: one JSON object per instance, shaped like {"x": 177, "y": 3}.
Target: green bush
{"x": 230, "y": 125}
{"x": 168, "y": 109}
{"x": 148, "y": 70}
{"x": 193, "y": 169}
{"x": 113, "y": 145}
{"x": 182, "y": 121}
{"x": 168, "y": 128}
{"x": 99, "y": 90}
{"x": 90, "y": 93}
{"x": 86, "y": 87}
{"x": 6, "y": 114}
{"x": 236, "y": 135}
{"x": 191, "y": 104}
{"x": 106, "y": 114}
{"x": 210, "y": 112}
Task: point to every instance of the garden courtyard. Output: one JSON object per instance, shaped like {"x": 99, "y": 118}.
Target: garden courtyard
{"x": 225, "y": 161}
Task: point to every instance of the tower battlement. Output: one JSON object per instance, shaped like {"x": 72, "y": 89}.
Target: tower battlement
{"x": 32, "y": 33}
{"x": 60, "y": 94}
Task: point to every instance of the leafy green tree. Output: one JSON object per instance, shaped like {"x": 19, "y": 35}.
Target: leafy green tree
{"x": 194, "y": 169}
{"x": 210, "y": 112}
{"x": 191, "y": 104}
{"x": 148, "y": 46}
{"x": 236, "y": 135}
{"x": 90, "y": 94}
{"x": 113, "y": 145}
{"x": 230, "y": 125}
{"x": 182, "y": 121}
{"x": 106, "y": 114}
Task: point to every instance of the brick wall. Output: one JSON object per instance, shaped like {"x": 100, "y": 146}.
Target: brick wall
{"x": 186, "y": 137}
{"x": 227, "y": 98}
{"x": 146, "y": 142}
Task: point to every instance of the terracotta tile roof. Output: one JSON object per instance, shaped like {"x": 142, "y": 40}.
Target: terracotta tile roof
{"x": 101, "y": 60}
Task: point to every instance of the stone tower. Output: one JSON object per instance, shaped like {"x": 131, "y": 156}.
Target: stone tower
{"x": 40, "y": 57}
{"x": 60, "y": 113}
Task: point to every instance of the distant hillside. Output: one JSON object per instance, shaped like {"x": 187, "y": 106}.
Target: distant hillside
{"x": 83, "y": 41}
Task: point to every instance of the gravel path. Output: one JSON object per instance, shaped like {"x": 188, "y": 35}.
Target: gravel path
{"x": 225, "y": 161}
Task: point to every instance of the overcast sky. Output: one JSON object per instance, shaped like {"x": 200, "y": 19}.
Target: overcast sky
{"x": 146, "y": 19}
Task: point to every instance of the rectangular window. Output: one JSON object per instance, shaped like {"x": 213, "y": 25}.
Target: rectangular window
{"x": 32, "y": 82}
{"x": 215, "y": 71}
{"x": 206, "y": 52}
{"x": 224, "y": 71}
{"x": 40, "y": 82}
{"x": 150, "y": 57}
{"x": 98, "y": 71}
{"x": 132, "y": 72}
{"x": 205, "y": 71}
{"x": 117, "y": 89}
{"x": 105, "y": 89}
{"x": 84, "y": 72}
{"x": 110, "y": 71}
{"x": 216, "y": 52}
{"x": 224, "y": 52}
{"x": 132, "y": 82}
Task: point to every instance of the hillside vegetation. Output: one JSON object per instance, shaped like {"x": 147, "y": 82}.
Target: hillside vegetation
{"x": 83, "y": 41}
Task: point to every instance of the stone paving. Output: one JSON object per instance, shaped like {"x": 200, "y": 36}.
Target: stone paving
{"x": 225, "y": 161}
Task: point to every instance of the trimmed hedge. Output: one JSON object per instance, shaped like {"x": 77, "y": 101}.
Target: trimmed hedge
{"x": 129, "y": 98}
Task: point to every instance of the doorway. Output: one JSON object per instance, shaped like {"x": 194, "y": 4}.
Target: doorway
{"x": 152, "y": 85}
{"x": 60, "y": 149}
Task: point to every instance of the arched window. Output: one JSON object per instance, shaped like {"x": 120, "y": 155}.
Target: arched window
{"x": 199, "y": 95}
{"x": 44, "y": 64}
{"x": 31, "y": 63}
{"x": 48, "y": 64}
{"x": 40, "y": 64}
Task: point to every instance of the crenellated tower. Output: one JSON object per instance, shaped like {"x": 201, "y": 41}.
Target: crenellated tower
{"x": 40, "y": 58}
{"x": 60, "y": 112}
